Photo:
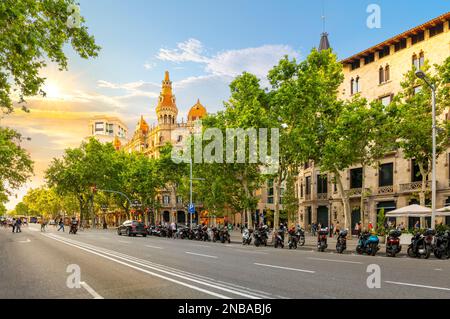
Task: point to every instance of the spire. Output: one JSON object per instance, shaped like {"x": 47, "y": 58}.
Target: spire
{"x": 324, "y": 43}
{"x": 166, "y": 110}
{"x": 166, "y": 77}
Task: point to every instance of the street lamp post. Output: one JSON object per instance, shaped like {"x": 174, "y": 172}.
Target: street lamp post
{"x": 421, "y": 75}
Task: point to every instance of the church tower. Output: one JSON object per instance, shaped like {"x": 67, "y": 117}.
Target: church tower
{"x": 166, "y": 110}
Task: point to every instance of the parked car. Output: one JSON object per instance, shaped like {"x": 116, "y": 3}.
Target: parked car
{"x": 132, "y": 228}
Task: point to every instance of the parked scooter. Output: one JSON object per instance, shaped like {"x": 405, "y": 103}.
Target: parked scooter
{"x": 421, "y": 244}
{"x": 393, "y": 246}
{"x": 441, "y": 247}
{"x": 215, "y": 234}
{"x": 247, "y": 236}
{"x": 341, "y": 241}
{"x": 261, "y": 236}
{"x": 368, "y": 243}
{"x": 279, "y": 238}
{"x": 296, "y": 237}
{"x": 322, "y": 239}
{"x": 224, "y": 236}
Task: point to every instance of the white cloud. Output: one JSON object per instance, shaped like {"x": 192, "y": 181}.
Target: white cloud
{"x": 229, "y": 63}
{"x": 188, "y": 51}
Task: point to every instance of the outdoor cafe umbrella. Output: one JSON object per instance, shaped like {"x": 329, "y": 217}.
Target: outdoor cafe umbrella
{"x": 410, "y": 211}
{"x": 445, "y": 211}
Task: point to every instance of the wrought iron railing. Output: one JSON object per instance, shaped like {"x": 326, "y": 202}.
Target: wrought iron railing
{"x": 386, "y": 189}
{"x": 413, "y": 187}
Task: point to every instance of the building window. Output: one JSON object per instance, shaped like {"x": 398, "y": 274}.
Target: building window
{"x": 386, "y": 100}
{"x": 355, "y": 64}
{"x": 301, "y": 189}
{"x": 179, "y": 199}
{"x": 110, "y": 129}
{"x": 416, "y": 176}
{"x": 417, "y": 89}
{"x": 387, "y": 73}
{"x": 418, "y": 60}
{"x": 166, "y": 200}
{"x": 308, "y": 185}
{"x": 437, "y": 29}
{"x": 419, "y": 37}
{"x": 322, "y": 184}
{"x": 386, "y": 175}
{"x": 180, "y": 138}
{"x": 369, "y": 59}
{"x": 381, "y": 75}
{"x": 384, "y": 52}
{"x": 355, "y": 86}
{"x": 99, "y": 126}
{"x": 270, "y": 191}
{"x": 356, "y": 176}
{"x": 400, "y": 45}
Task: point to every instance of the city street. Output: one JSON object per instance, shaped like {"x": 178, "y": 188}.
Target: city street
{"x": 34, "y": 265}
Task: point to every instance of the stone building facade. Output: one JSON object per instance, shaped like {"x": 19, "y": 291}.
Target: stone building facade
{"x": 376, "y": 73}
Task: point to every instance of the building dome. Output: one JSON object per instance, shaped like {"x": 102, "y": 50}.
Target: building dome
{"x": 143, "y": 126}
{"x": 196, "y": 112}
{"x": 117, "y": 144}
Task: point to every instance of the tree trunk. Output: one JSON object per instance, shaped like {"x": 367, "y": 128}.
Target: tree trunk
{"x": 276, "y": 195}
{"x": 247, "y": 209}
{"x": 345, "y": 200}
{"x": 423, "y": 190}
{"x": 362, "y": 206}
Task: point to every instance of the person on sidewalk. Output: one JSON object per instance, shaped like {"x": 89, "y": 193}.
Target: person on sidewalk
{"x": 331, "y": 230}
{"x": 61, "y": 225}
{"x": 43, "y": 224}
{"x": 18, "y": 225}
{"x": 337, "y": 228}
{"x": 13, "y": 224}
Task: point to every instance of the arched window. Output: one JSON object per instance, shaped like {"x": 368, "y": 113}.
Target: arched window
{"x": 387, "y": 73}
{"x": 165, "y": 119}
{"x": 421, "y": 59}
{"x": 381, "y": 74}
{"x": 357, "y": 85}
{"x": 352, "y": 86}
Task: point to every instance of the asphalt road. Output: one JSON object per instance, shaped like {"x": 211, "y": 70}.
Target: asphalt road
{"x": 35, "y": 265}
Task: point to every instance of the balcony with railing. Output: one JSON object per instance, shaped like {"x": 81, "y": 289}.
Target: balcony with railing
{"x": 322, "y": 196}
{"x": 357, "y": 192}
{"x": 389, "y": 189}
{"x": 413, "y": 187}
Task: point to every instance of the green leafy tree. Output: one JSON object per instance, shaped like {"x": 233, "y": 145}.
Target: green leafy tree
{"x": 15, "y": 163}
{"x": 22, "y": 209}
{"x": 91, "y": 164}
{"x": 290, "y": 200}
{"x": 32, "y": 33}
{"x": 414, "y": 118}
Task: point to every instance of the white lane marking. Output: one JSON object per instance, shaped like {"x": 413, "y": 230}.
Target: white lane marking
{"x": 201, "y": 255}
{"x": 25, "y": 241}
{"x": 90, "y": 290}
{"x": 438, "y": 269}
{"x": 145, "y": 271}
{"x": 160, "y": 268}
{"x": 335, "y": 260}
{"x": 416, "y": 285}
{"x": 33, "y": 229}
{"x": 124, "y": 242}
{"x": 286, "y": 268}
{"x": 202, "y": 246}
{"x": 156, "y": 247}
{"x": 252, "y": 252}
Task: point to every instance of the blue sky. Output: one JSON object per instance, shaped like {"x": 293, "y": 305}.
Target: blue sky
{"x": 203, "y": 43}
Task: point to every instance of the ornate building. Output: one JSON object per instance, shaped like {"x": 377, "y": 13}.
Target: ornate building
{"x": 376, "y": 73}
{"x": 149, "y": 140}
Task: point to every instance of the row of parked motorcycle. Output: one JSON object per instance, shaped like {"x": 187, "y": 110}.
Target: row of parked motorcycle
{"x": 422, "y": 243}
{"x": 200, "y": 232}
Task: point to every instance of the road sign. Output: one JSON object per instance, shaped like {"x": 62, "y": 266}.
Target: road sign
{"x": 191, "y": 209}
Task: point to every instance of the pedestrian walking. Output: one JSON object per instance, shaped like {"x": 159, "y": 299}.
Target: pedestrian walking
{"x": 13, "y": 224}
{"x": 43, "y": 224}
{"x": 18, "y": 225}
{"x": 370, "y": 227}
{"x": 337, "y": 228}
{"x": 61, "y": 225}
{"x": 331, "y": 230}
{"x": 417, "y": 225}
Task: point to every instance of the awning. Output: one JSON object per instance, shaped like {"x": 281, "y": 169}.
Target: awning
{"x": 410, "y": 211}
{"x": 445, "y": 211}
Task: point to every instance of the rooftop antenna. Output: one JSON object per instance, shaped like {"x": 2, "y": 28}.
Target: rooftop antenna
{"x": 323, "y": 16}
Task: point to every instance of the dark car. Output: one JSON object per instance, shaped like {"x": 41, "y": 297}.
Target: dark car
{"x": 132, "y": 228}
